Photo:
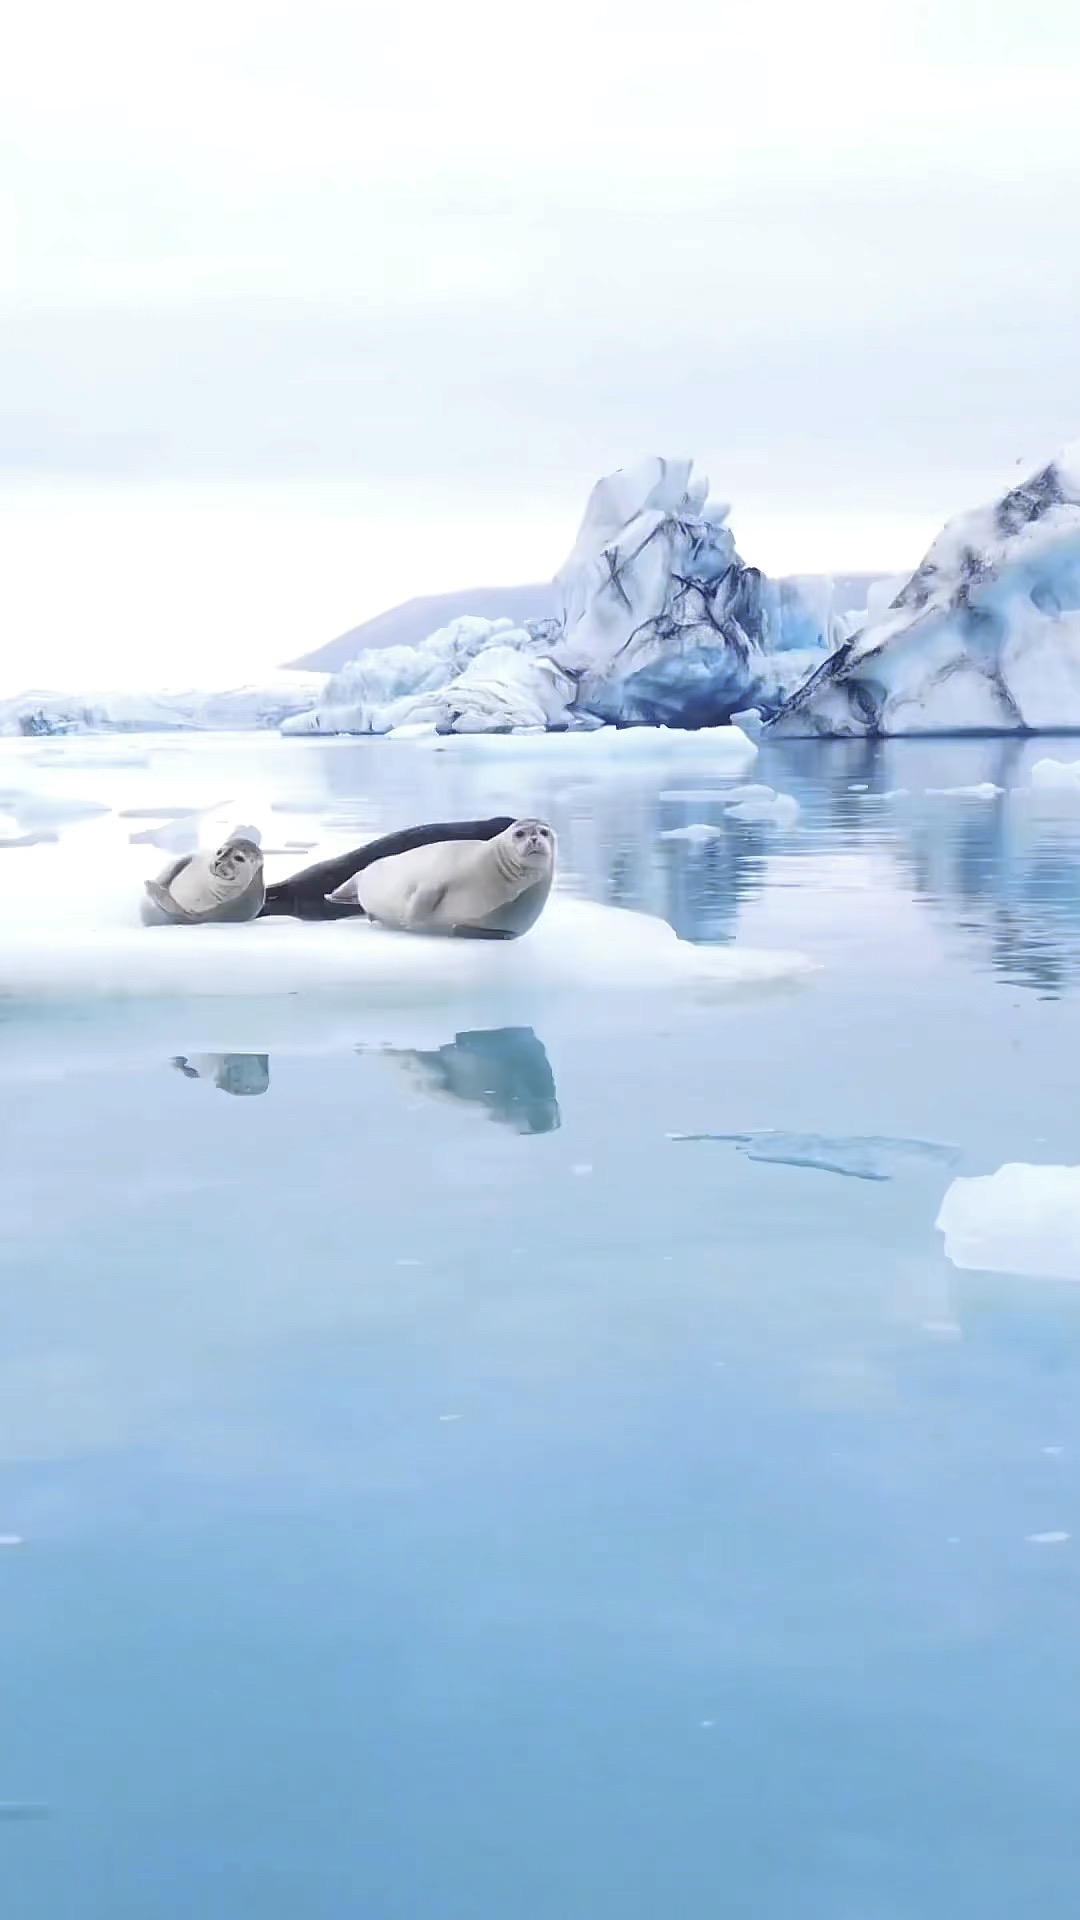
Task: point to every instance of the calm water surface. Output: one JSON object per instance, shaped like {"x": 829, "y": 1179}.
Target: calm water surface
{"x": 436, "y": 1494}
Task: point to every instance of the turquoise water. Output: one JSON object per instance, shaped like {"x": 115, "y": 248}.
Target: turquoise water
{"x": 436, "y": 1494}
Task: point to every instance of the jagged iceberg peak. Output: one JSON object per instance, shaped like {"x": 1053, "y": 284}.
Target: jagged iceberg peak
{"x": 984, "y": 636}
{"x": 662, "y": 621}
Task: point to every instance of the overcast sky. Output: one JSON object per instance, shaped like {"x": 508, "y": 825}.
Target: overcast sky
{"x": 307, "y": 308}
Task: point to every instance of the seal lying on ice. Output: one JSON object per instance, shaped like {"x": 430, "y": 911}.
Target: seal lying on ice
{"x": 475, "y": 879}
{"x": 201, "y": 887}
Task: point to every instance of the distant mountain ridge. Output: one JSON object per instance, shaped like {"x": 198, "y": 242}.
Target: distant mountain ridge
{"x": 411, "y": 622}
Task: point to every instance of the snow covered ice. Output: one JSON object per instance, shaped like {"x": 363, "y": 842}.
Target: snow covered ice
{"x": 984, "y": 637}
{"x": 72, "y": 927}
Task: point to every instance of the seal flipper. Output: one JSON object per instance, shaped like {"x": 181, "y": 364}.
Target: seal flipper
{"x": 306, "y": 895}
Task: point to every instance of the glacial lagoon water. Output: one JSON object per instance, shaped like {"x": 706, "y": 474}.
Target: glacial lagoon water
{"x": 431, "y": 1491}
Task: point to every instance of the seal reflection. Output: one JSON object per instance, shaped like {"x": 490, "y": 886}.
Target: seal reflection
{"x": 239, "y": 1073}
{"x": 502, "y": 1070}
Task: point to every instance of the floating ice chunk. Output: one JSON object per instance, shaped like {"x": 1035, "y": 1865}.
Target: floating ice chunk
{"x": 781, "y": 811}
{"x": 858, "y": 1156}
{"x": 735, "y": 796}
{"x": 984, "y": 790}
{"x": 724, "y": 750}
{"x": 1056, "y": 776}
{"x": 698, "y": 835}
{"x": 1046, "y": 1539}
{"x": 90, "y": 753}
{"x": 1022, "y": 1219}
{"x": 750, "y": 720}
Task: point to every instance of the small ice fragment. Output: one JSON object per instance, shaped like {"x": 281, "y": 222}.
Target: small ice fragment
{"x": 585, "y": 1166}
{"x": 1053, "y": 1451}
{"x": 859, "y": 786}
{"x": 708, "y": 1723}
{"x": 781, "y": 811}
{"x": 446, "y": 1417}
{"x": 1056, "y": 776}
{"x": 950, "y": 1328}
{"x": 698, "y": 835}
{"x": 408, "y": 1263}
{"x": 1046, "y": 1539}
{"x": 11, "y": 1540}
{"x": 985, "y": 790}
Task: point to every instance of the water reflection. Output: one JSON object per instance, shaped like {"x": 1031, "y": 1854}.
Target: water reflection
{"x": 1003, "y": 871}
{"x": 503, "y": 1070}
{"x": 238, "y": 1073}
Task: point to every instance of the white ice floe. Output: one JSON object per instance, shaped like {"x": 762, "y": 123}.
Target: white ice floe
{"x": 1056, "y": 776}
{"x": 723, "y": 750}
{"x": 984, "y": 637}
{"x": 71, "y": 930}
{"x": 698, "y": 834}
{"x": 780, "y": 810}
{"x": 1022, "y": 1219}
{"x": 983, "y": 790}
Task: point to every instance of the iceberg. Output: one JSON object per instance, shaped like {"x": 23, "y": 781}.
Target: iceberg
{"x": 660, "y": 623}
{"x": 473, "y": 676}
{"x": 983, "y": 638}
{"x": 661, "y": 619}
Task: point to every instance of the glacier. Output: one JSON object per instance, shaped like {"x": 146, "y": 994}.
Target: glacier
{"x": 983, "y": 638}
{"x": 247, "y": 707}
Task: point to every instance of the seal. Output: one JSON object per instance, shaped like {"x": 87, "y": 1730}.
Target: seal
{"x": 473, "y": 879}
{"x": 202, "y": 887}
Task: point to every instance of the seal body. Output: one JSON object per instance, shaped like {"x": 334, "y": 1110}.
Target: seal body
{"x": 206, "y": 887}
{"x": 473, "y": 879}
